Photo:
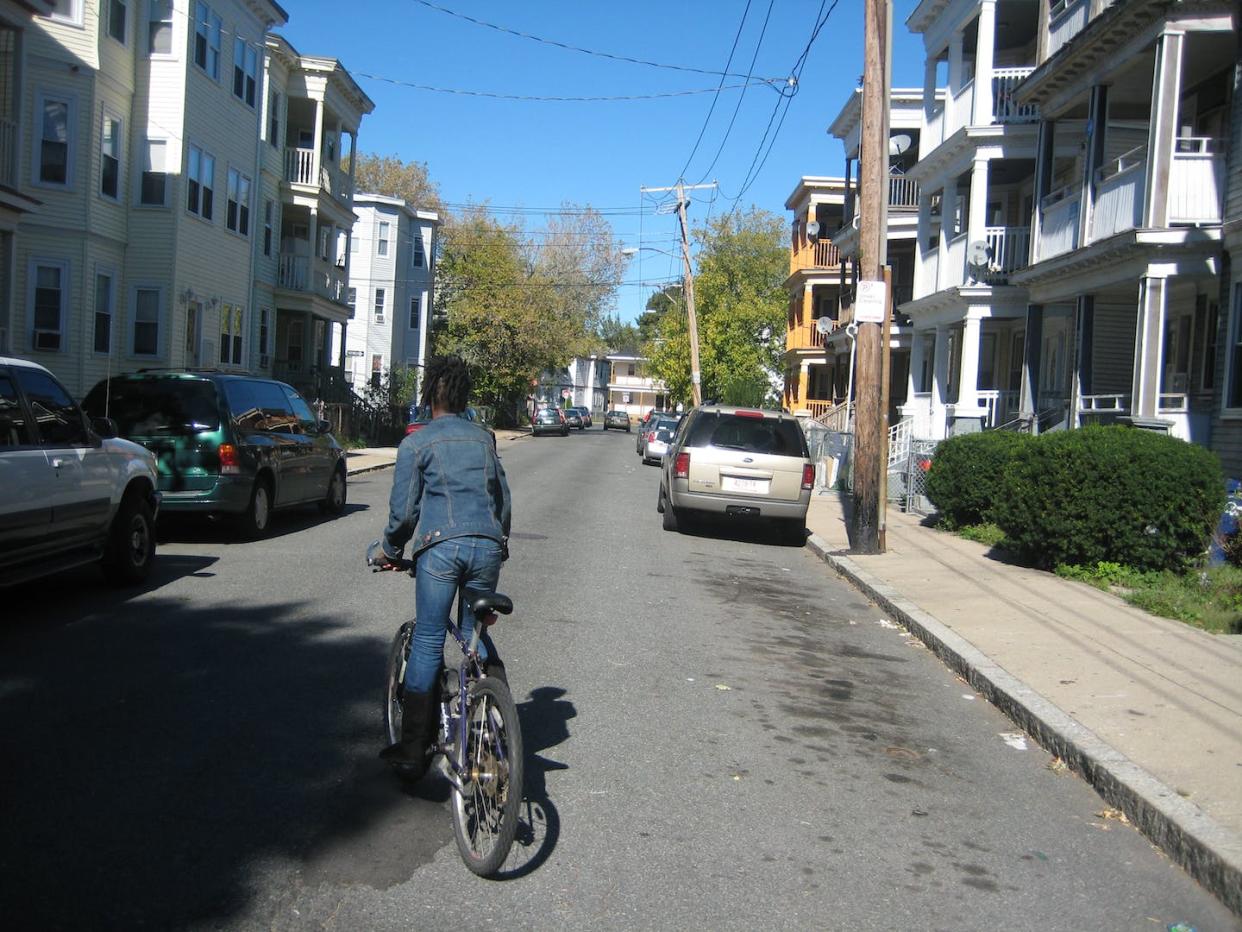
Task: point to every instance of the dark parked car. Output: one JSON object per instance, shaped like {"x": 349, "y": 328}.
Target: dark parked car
{"x": 574, "y": 418}
{"x": 585, "y": 413}
{"x": 618, "y": 419}
{"x": 231, "y": 445}
{"x": 549, "y": 421}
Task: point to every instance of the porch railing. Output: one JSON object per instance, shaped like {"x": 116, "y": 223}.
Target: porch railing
{"x": 293, "y": 272}
{"x": 822, "y": 254}
{"x": 903, "y": 193}
{"x": 300, "y": 166}
{"x": 928, "y": 269}
{"x": 1058, "y": 233}
{"x": 935, "y": 131}
{"x": 804, "y": 336}
{"x": 830, "y": 414}
{"x": 301, "y": 273}
{"x": 8, "y": 152}
{"x": 955, "y": 270}
{"x": 1005, "y": 109}
{"x": 1196, "y": 181}
{"x": 1107, "y": 404}
{"x": 1065, "y": 20}
{"x": 1000, "y": 404}
{"x": 1010, "y": 249}
{"x": 963, "y": 109}
{"x": 1174, "y": 403}
{"x": 1119, "y": 194}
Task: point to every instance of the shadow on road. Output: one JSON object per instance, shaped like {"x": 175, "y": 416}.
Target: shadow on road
{"x": 743, "y": 530}
{"x": 155, "y": 756}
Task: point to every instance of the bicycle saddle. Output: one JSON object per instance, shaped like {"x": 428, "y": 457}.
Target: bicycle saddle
{"x": 484, "y": 603}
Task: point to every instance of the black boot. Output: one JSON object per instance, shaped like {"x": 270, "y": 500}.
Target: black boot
{"x": 420, "y": 718}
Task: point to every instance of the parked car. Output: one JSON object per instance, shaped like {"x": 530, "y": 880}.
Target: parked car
{"x": 420, "y": 416}
{"x": 230, "y": 445}
{"x": 573, "y": 418}
{"x": 73, "y": 493}
{"x": 585, "y": 413}
{"x": 618, "y": 419}
{"x": 738, "y": 462}
{"x": 657, "y": 446}
{"x": 648, "y": 431}
{"x": 549, "y": 421}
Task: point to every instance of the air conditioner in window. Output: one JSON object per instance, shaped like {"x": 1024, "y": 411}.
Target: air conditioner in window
{"x": 379, "y": 318}
{"x": 47, "y": 339}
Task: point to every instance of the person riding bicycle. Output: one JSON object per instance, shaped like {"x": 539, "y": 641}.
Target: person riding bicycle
{"x": 451, "y": 499}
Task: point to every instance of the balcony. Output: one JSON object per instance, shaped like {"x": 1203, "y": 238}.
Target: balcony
{"x": 1009, "y": 249}
{"x": 1004, "y": 108}
{"x": 1066, "y": 19}
{"x": 1001, "y": 406}
{"x": 1196, "y": 181}
{"x": 903, "y": 193}
{"x": 312, "y": 276}
{"x": 818, "y": 255}
{"x": 1058, "y": 232}
{"x": 300, "y": 169}
{"x": 804, "y": 336}
{"x": 1119, "y": 194}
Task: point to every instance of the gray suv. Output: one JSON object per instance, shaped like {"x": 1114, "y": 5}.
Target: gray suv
{"x": 740, "y": 462}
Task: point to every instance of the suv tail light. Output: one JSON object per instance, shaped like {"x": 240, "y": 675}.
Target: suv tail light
{"x": 808, "y": 477}
{"x": 681, "y": 466}
{"x": 229, "y": 464}
{"x": 650, "y": 436}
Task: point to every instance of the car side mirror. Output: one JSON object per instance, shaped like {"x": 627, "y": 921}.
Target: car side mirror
{"x": 325, "y": 427}
{"x": 105, "y": 427}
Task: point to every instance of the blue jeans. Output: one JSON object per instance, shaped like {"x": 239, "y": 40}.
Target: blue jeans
{"x": 473, "y": 562}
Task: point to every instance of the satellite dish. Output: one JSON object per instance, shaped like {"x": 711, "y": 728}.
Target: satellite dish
{"x": 897, "y": 145}
{"x": 978, "y": 257}
{"x": 812, "y": 230}
{"x": 823, "y": 325}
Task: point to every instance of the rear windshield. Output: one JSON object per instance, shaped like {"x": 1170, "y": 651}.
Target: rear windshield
{"x": 749, "y": 434}
{"x": 156, "y": 407}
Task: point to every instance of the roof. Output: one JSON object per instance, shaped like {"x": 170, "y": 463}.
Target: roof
{"x": 811, "y": 184}
{"x": 335, "y": 71}
{"x": 851, "y": 113}
{"x": 363, "y": 198}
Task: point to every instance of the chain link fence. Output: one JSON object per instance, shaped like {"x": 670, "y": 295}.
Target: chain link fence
{"x": 907, "y": 477}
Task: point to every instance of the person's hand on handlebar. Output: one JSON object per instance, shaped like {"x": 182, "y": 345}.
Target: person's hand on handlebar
{"x": 380, "y": 562}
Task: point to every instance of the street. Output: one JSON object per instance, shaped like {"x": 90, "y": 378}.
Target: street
{"x": 721, "y": 734}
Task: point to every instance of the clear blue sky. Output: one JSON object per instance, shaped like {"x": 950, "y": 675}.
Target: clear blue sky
{"x": 540, "y": 154}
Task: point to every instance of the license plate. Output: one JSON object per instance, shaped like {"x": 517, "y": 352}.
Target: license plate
{"x": 735, "y": 484}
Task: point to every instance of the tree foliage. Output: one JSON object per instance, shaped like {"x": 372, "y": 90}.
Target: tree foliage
{"x": 390, "y": 176}
{"x": 740, "y": 303}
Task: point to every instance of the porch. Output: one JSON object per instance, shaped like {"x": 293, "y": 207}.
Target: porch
{"x": 303, "y": 355}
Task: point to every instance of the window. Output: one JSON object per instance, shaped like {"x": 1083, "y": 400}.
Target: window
{"x": 269, "y": 211}
{"x": 238, "y": 216}
{"x": 1233, "y": 380}
{"x": 1209, "y": 346}
{"x": 419, "y": 255}
{"x": 66, "y": 11}
{"x": 110, "y": 157}
{"x": 352, "y": 300}
{"x": 103, "y": 312}
{"x": 207, "y": 41}
{"x": 231, "y": 335}
{"x": 54, "y": 141}
{"x": 60, "y": 420}
{"x": 117, "y": 11}
{"x": 273, "y": 114}
{"x": 379, "y": 304}
{"x": 146, "y": 335}
{"x": 154, "y": 187}
{"x": 47, "y": 300}
{"x": 14, "y": 431}
{"x": 159, "y": 27}
{"x": 630, "y": 369}
{"x": 353, "y": 243}
{"x": 245, "y": 70}
{"x": 415, "y": 306}
{"x": 263, "y": 333}
{"x": 200, "y": 175}
{"x": 382, "y": 247}
{"x": 377, "y": 369}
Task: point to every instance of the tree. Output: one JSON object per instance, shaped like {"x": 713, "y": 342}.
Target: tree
{"x": 616, "y": 335}
{"x": 390, "y": 176}
{"x": 740, "y": 302}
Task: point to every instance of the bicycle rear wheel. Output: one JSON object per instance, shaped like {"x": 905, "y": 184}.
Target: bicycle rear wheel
{"x": 394, "y": 681}
{"x": 485, "y": 807}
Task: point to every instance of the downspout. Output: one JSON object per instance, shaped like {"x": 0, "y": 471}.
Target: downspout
{"x": 257, "y": 214}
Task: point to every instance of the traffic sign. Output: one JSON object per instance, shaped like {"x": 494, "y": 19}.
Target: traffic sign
{"x": 871, "y": 302}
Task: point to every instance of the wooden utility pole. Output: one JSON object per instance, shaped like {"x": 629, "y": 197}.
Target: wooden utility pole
{"x": 692, "y": 322}
{"x": 869, "y": 433}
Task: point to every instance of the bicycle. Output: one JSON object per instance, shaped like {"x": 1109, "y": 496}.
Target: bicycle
{"x": 480, "y": 738}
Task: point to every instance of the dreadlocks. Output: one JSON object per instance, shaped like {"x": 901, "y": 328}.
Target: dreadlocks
{"x": 447, "y": 383}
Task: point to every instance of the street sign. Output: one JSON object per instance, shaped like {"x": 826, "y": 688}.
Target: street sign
{"x": 870, "y": 303}
{"x": 355, "y": 352}
{"x": 566, "y": 393}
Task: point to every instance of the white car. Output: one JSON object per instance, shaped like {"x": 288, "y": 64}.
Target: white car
{"x": 71, "y": 492}
{"x": 658, "y": 445}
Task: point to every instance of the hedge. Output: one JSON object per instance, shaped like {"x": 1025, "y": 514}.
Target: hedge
{"x": 967, "y": 473}
{"x": 1118, "y": 494}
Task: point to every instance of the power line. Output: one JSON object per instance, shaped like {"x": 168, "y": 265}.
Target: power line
{"x": 574, "y": 48}
{"x": 539, "y": 98}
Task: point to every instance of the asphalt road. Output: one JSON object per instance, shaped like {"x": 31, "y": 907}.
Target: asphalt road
{"x": 721, "y": 735}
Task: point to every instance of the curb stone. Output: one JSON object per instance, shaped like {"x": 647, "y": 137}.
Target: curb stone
{"x": 362, "y": 469}
{"x": 1210, "y": 853}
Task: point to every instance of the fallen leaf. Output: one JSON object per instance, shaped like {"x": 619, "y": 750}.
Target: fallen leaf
{"x": 1056, "y": 765}
{"x": 723, "y": 688}
{"x": 1113, "y": 814}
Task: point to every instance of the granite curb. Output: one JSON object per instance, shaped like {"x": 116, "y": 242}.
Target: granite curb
{"x": 1206, "y": 850}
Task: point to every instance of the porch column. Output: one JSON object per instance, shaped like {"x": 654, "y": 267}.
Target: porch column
{"x": 921, "y": 286}
{"x": 929, "y": 95}
{"x": 804, "y": 388}
{"x": 312, "y": 231}
{"x": 1032, "y": 344}
{"x": 948, "y": 215}
{"x": 967, "y": 391}
{"x": 985, "y": 44}
{"x": 940, "y": 382}
{"x": 808, "y": 304}
{"x": 1162, "y": 130}
{"x": 1084, "y": 351}
{"x": 1148, "y": 336}
{"x": 951, "y": 116}
{"x": 318, "y": 143}
{"x": 1097, "y": 118}
{"x": 1044, "y": 152}
{"x": 1041, "y": 32}
{"x": 341, "y": 360}
{"x": 918, "y": 350}
{"x": 977, "y": 223}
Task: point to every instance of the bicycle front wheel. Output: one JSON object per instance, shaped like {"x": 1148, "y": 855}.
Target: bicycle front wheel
{"x": 485, "y": 807}
{"x": 394, "y": 681}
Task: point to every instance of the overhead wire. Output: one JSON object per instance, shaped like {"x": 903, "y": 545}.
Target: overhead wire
{"x": 546, "y": 98}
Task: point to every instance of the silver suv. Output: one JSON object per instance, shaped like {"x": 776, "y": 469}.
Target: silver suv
{"x": 740, "y": 462}
{"x": 71, "y": 492}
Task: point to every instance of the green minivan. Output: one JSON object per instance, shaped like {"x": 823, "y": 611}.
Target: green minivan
{"x": 234, "y": 445}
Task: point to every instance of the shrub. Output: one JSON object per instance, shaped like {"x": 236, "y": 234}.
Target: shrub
{"x": 1110, "y": 494}
{"x": 967, "y": 472}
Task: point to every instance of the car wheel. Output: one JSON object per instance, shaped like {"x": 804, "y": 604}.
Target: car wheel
{"x": 334, "y": 502}
{"x": 670, "y": 517}
{"x": 257, "y": 517}
{"x": 627, "y": 430}
{"x": 131, "y": 542}
{"x": 660, "y": 501}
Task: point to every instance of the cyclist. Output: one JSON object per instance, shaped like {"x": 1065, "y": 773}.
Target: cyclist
{"x": 451, "y": 499}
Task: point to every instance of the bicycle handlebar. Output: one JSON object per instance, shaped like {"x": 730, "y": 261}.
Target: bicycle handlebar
{"x": 380, "y": 562}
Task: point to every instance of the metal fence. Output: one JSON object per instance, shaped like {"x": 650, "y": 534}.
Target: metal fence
{"x": 907, "y": 477}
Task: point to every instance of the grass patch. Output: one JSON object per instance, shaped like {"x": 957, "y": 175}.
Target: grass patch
{"x": 1210, "y": 599}
{"x": 986, "y": 533}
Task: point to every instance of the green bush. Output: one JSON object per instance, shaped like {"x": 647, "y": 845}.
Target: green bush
{"x": 967, "y": 472}
{"x": 1110, "y": 494}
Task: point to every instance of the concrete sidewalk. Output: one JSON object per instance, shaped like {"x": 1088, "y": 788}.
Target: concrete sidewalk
{"x": 1148, "y": 710}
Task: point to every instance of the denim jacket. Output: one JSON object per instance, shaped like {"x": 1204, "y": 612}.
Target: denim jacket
{"x": 448, "y": 482}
